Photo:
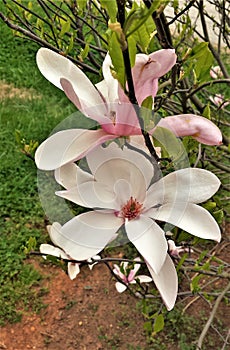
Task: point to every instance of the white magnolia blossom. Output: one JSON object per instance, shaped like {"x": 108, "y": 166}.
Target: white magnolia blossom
{"x": 119, "y": 190}
{"x": 129, "y": 275}
{"x": 73, "y": 267}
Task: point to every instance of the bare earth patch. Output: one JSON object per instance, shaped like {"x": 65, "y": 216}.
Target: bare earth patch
{"x": 84, "y": 314}
{"x": 9, "y": 91}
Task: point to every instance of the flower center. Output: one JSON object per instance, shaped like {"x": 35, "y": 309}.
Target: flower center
{"x": 131, "y": 209}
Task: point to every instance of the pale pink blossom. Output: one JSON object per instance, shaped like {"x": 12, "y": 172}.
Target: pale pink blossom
{"x": 200, "y": 128}
{"x": 216, "y": 72}
{"x": 107, "y": 104}
{"x": 127, "y": 272}
{"x": 219, "y": 100}
{"x": 176, "y": 250}
{"x": 119, "y": 190}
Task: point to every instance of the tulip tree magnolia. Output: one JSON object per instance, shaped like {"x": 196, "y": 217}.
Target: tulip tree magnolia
{"x": 121, "y": 182}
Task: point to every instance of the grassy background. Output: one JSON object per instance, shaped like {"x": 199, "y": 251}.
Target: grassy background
{"x": 21, "y": 213}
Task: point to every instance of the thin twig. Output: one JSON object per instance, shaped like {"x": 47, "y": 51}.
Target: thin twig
{"x": 211, "y": 317}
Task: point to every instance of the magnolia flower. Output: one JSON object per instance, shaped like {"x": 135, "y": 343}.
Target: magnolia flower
{"x": 176, "y": 250}
{"x": 107, "y": 104}
{"x": 119, "y": 190}
{"x": 216, "y": 72}
{"x": 200, "y": 128}
{"x": 100, "y": 103}
{"x": 128, "y": 275}
{"x": 73, "y": 268}
{"x": 219, "y": 101}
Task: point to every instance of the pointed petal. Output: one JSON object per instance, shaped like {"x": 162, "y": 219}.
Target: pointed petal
{"x": 189, "y": 217}
{"x": 120, "y": 287}
{"x": 68, "y": 146}
{"x": 184, "y": 185}
{"x": 90, "y": 195}
{"x": 55, "y": 66}
{"x": 147, "y": 70}
{"x": 166, "y": 282}
{"x": 85, "y": 235}
{"x": 93, "y": 108}
{"x": 200, "y": 128}
{"x": 149, "y": 239}
{"x": 144, "y": 278}
{"x": 112, "y": 84}
{"x": 70, "y": 174}
{"x": 48, "y": 249}
{"x": 73, "y": 270}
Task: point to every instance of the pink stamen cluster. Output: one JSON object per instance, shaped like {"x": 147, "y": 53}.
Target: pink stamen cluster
{"x": 131, "y": 210}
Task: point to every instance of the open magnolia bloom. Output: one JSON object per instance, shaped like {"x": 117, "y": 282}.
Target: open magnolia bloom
{"x": 119, "y": 190}
{"x": 107, "y": 104}
{"x": 73, "y": 267}
{"x": 128, "y": 275}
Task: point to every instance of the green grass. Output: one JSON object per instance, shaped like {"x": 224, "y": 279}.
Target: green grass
{"x": 21, "y": 214}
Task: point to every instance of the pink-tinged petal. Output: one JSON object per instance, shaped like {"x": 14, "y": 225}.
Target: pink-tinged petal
{"x": 118, "y": 272}
{"x": 144, "y": 278}
{"x": 94, "y": 109}
{"x": 216, "y": 72}
{"x": 200, "y": 128}
{"x": 184, "y": 185}
{"x": 73, "y": 270}
{"x": 100, "y": 156}
{"x": 55, "y": 66}
{"x": 120, "y": 287}
{"x": 70, "y": 174}
{"x": 48, "y": 249}
{"x": 86, "y": 234}
{"x": 189, "y": 217}
{"x": 149, "y": 239}
{"x": 166, "y": 282}
{"x": 90, "y": 195}
{"x": 68, "y": 146}
{"x": 125, "y": 120}
{"x": 148, "y": 69}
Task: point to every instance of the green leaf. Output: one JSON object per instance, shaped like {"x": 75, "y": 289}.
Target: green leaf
{"x": 158, "y": 324}
{"x": 207, "y": 112}
{"x": 172, "y": 146}
{"x": 132, "y": 50}
{"x": 111, "y": 7}
{"x": 65, "y": 27}
{"x": 137, "y": 17}
{"x": 117, "y": 59}
{"x": 146, "y": 112}
{"x": 81, "y": 5}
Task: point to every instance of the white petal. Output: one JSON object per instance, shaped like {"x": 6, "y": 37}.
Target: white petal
{"x": 73, "y": 270}
{"x": 111, "y": 83}
{"x": 68, "y": 146}
{"x": 48, "y": 249}
{"x": 55, "y": 66}
{"x": 101, "y": 156}
{"x": 120, "y": 287}
{"x": 90, "y": 195}
{"x": 189, "y": 217}
{"x": 149, "y": 239}
{"x": 144, "y": 278}
{"x": 86, "y": 235}
{"x": 184, "y": 185}
{"x": 69, "y": 175}
{"x": 166, "y": 282}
